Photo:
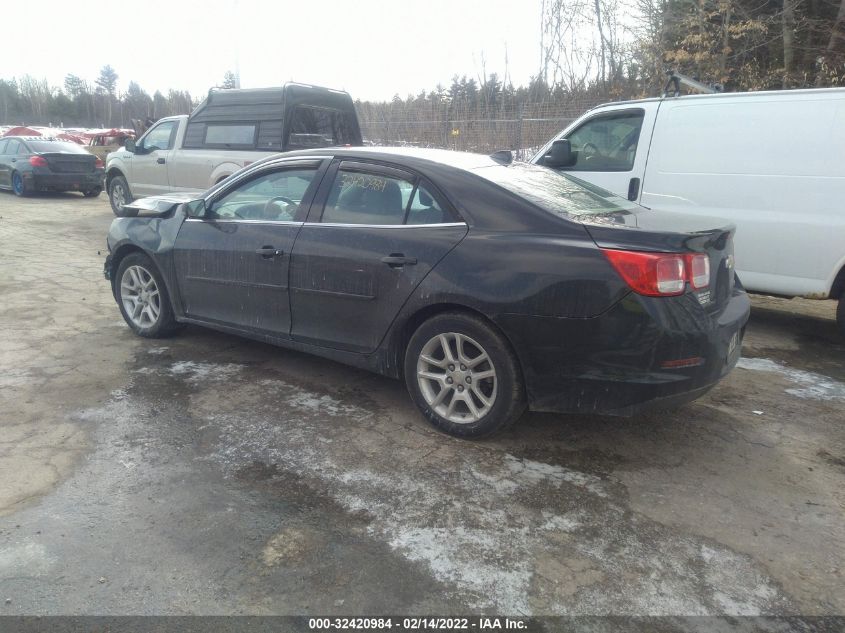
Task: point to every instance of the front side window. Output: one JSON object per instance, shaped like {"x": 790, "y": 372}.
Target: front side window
{"x": 159, "y": 137}
{"x": 3, "y": 143}
{"x": 607, "y": 143}
{"x": 271, "y": 197}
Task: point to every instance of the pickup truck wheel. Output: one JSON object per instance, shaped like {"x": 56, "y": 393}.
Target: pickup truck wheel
{"x": 119, "y": 197}
{"x": 840, "y": 314}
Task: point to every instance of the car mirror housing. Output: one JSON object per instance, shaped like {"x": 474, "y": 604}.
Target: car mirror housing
{"x": 560, "y": 155}
{"x": 129, "y": 145}
{"x": 195, "y": 208}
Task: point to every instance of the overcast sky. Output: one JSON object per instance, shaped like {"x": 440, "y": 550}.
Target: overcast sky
{"x": 371, "y": 48}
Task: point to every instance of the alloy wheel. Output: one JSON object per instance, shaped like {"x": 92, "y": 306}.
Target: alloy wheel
{"x": 118, "y": 196}
{"x": 456, "y": 377}
{"x": 140, "y": 296}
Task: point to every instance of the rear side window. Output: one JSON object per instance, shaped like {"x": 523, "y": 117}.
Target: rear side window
{"x": 3, "y": 143}
{"x": 319, "y": 127}
{"x": 359, "y": 197}
{"x": 13, "y": 147}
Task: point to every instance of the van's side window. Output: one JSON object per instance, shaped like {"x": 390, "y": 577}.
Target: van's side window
{"x": 607, "y": 143}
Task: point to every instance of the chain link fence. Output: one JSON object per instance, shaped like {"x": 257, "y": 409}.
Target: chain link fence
{"x": 523, "y": 129}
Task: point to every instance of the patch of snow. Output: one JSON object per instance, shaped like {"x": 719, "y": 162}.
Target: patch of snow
{"x": 812, "y": 386}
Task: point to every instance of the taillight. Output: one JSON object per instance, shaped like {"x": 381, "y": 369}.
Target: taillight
{"x": 37, "y": 161}
{"x": 660, "y": 274}
{"x": 699, "y": 270}
{"x": 99, "y": 163}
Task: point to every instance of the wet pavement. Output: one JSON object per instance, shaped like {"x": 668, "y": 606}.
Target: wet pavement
{"x": 207, "y": 474}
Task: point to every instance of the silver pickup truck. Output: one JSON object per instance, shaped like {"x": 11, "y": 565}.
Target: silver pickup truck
{"x": 229, "y": 130}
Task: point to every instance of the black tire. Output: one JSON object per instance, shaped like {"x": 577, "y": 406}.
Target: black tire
{"x": 120, "y": 195}
{"x": 93, "y": 193}
{"x": 840, "y": 314}
{"x": 165, "y": 324}
{"x": 509, "y": 402}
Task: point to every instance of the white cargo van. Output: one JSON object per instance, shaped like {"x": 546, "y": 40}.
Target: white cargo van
{"x": 771, "y": 162}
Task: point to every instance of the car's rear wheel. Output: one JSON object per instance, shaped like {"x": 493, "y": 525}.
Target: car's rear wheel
{"x": 93, "y": 193}
{"x": 119, "y": 197}
{"x": 142, "y": 297}
{"x": 18, "y": 186}
{"x": 463, "y": 376}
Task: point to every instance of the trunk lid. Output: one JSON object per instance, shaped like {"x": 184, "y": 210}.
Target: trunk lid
{"x": 648, "y": 230}
{"x": 65, "y": 163}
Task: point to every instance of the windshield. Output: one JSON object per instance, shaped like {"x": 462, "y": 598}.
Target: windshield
{"x": 555, "y": 192}
{"x": 56, "y": 146}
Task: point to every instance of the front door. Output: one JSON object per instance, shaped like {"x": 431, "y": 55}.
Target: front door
{"x": 605, "y": 149}
{"x": 232, "y": 264}
{"x": 374, "y": 233}
{"x": 149, "y": 162}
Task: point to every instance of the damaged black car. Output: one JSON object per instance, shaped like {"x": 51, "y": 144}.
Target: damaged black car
{"x": 489, "y": 287}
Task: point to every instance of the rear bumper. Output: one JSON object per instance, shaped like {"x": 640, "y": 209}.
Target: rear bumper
{"x": 613, "y": 364}
{"x": 63, "y": 182}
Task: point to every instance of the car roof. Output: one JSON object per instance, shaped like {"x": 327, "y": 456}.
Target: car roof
{"x": 410, "y": 156}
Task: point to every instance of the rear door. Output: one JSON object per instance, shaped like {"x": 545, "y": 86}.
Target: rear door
{"x": 149, "y": 162}
{"x": 374, "y": 233}
{"x": 232, "y": 265}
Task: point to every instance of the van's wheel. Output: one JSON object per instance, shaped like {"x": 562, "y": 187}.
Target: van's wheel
{"x": 18, "y": 186}
{"x": 840, "y": 314}
{"x": 142, "y": 297}
{"x": 463, "y": 376}
{"x": 119, "y": 197}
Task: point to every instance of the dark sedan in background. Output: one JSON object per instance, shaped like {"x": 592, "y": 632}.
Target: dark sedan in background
{"x": 487, "y": 286}
{"x": 37, "y": 163}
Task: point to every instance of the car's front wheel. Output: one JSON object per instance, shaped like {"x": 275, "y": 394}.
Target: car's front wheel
{"x": 463, "y": 376}
{"x": 119, "y": 197}
{"x": 142, "y": 297}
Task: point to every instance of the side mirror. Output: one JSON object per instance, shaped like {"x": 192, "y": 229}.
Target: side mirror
{"x": 129, "y": 145}
{"x": 195, "y": 208}
{"x": 560, "y": 155}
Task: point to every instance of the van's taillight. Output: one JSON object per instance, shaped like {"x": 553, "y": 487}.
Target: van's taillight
{"x": 38, "y": 161}
{"x": 660, "y": 274}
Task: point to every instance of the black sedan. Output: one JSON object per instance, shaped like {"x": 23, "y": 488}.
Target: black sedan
{"x": 37, "y": 163}
{"x": 487, "y": 286}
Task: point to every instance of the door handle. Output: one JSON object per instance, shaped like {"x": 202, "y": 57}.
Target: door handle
{"x": 269, "y": 252}
{"x": 633, "y": 189}
{"x": 397, "y": 260}
{"x": 160, "y": 161}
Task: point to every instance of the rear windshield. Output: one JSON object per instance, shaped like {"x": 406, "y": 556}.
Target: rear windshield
{"x": 555, "y": 192}
{"x": 56, "y": 146}
{"x": 319, "y": 127}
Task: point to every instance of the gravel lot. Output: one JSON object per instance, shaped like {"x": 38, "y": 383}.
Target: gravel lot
{"x": 212, "y": 475}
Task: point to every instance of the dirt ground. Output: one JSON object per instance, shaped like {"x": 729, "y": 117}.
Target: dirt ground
{"x": 212, "y": 475}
